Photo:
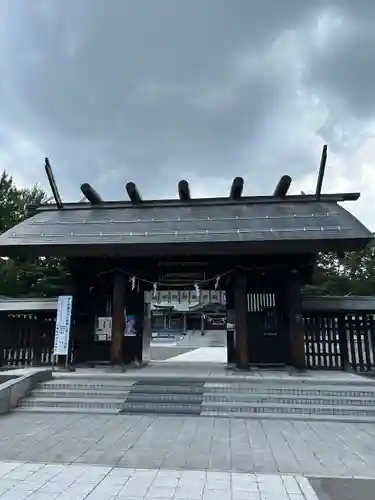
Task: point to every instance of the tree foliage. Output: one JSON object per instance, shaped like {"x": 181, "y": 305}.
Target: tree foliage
{"x": 31, "y": 277}
{"x": 353, "y": 274}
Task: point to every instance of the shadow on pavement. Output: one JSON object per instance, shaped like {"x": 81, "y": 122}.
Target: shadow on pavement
{"x": 343, "y": 488}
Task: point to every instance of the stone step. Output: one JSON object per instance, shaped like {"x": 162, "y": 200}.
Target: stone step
{"x": 228, "y": 383}
{"x": 57, "y": 409}
{"x": 251, "y": 398}
{"x": 86, "y": 386}
{"x": 192, "y": 396}
{"x": 335, "y": 378}
{"x": 239, "y": 415}
{"x": 165, "y": 408}
{"x": 259, "y": 399}
{"x": 71, "y": 402}
{"x": 175, "y": 381}
{"x": 290, "y": 416}
{"x": 79, "y": 393}
{"x": 166, "y": 389}
{"x": 288, "y": 408}
{"x": 253, "y": 411}
{"x": 294, "y": 390}
{"x": 243, "y": 388}
{"x": 161, "y": 398}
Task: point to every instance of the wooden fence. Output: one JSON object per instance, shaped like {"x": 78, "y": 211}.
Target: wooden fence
{"x": 333, "y": 340}
{"x": 339, "y": 340}
{"x": 27, "y": 338}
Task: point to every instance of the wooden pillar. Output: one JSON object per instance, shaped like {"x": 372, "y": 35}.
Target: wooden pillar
{"x": 37, "y": 340}
{"x": 240, "y": 314}
{"x": 146, "y": 331}
{"x": 296, "y": 328}
{"x": 135, "y": 312}
{"x": 343, "y": 342}
{"x": 84, "y": 322}
{"x": 118, "y": 318}
{"x": 3, "y": 338}
{"x": 231, "y": 348}
{"x": 169, "y": 320}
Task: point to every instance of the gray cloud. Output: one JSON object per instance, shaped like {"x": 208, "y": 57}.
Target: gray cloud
{"x": 156, "y": 91}
{"x": 343, "y": 70}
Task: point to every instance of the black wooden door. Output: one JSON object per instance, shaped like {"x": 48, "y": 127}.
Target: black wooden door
{"x": 267, "y": 329}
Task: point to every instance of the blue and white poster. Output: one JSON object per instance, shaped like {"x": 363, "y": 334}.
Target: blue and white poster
{"x": 62, "y": 329}
{"x": 130, "y": 326}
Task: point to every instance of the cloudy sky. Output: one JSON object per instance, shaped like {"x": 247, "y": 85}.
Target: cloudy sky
{"x": 159, "y": 90}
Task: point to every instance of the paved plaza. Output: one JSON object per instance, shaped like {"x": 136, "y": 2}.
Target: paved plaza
{"x": 146, "y": 457}
{"x": 191, "y": 443}
{"x": 143, "y": 457}
{"x": 212, "y": 372}
{"x": 19, "y": 481}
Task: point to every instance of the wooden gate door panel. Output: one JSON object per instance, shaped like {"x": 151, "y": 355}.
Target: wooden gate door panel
{"x": 267, "y": 330}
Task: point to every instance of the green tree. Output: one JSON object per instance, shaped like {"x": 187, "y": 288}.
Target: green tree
{"x": 31, "y": 277}
{"x": 352, "y": 274}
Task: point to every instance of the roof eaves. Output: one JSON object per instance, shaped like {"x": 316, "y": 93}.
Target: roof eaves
{"x": 336, "y": 197}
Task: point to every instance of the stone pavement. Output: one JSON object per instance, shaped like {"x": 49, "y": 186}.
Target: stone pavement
{"x": 37, "y": 481}
{"x": 191, "y": 443}
{"x": 339, "y": 488}
{"x": 161, "y": 352}
{"x": 75, "y": 456}
{"x": 201, "y": 355}
{"x": 217, "y": 371}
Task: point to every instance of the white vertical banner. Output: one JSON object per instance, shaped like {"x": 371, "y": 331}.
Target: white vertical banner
{"x": 62, "y": 330}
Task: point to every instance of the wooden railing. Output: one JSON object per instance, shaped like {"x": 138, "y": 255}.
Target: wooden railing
{"x": 338, "y": 340}
{"x": 27, "y": 338}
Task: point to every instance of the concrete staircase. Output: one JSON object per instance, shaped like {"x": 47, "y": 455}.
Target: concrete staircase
{"x": 79, "y": 396}
{"x": 291, "y": 401}
{"x": 177, "y": 396}
{"x": 267, "y": 399}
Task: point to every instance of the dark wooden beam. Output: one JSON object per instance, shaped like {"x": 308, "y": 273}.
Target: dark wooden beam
{"x": 53, "y": 184}
{"x": 91, "y": 195}
{"x": 133, "y": 193}
{"x": 240, "y": 314}
{"x": 322, "y": 168}
{"x": 184, "y": 190}
{"x": 296, "y": 327}
{"x": 236, "y": 188}
{"x": 208, "y": 202}
{"x": 118, "y": 318}
{"x": 282, "y": 186}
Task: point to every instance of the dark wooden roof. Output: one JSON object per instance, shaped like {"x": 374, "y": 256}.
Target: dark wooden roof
{"x": 248, "y": 225}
